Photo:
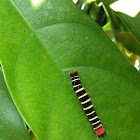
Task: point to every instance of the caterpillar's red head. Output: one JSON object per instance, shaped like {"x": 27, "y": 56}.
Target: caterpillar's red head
{"x": 74, "y": 74}
{"x": 100, "y": 132}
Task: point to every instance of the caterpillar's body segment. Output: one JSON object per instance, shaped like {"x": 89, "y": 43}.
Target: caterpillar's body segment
{"x": 87, "y": 105}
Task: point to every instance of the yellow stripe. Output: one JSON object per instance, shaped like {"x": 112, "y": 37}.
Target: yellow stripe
{"x": 79, "y": 90}
{"x": 95, "y": 122}
{"x": 97, "y": 127}
{"x": 88, "y": 107}
{"x": 82, "y": 96}
{"x": 91, "y": 113}
{"x": 76, "y": 76}
{"x": 75, "y": 79}
{"x": 76, "y": 85}
{"x": 93, "y": 118}
{"x": 85, "y": 101}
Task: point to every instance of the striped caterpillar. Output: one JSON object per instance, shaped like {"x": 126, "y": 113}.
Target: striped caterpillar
{"x": 87, "y": 105}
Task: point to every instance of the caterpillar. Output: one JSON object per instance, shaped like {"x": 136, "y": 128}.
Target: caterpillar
{"x": 87, "y": 105}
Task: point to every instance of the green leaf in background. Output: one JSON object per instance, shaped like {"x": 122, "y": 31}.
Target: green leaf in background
{"x": 12, "y": 126}
{"x": 40, "y": 42}
{"x": 127, "y": 22}
{"x": 129, "y": 12}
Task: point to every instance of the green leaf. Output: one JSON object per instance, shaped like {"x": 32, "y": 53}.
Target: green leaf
{"x": 39, "y": 44}
{"x": 12, "y": 125}
{"x": 130, "y": 16}
{"x": 127, "y": 25}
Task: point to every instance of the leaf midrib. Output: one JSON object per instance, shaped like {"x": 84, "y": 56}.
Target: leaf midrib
{"x": 47, "y": 50}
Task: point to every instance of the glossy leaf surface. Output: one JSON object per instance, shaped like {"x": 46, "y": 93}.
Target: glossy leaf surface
{"x": 40, "y": 44}
{"x": 12, "y": 126}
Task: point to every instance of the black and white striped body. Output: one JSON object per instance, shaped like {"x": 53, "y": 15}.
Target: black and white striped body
{"x": 85, "y": 102}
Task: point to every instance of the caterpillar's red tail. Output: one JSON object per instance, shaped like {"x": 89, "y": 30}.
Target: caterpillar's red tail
{"x": 100, "y": 132}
